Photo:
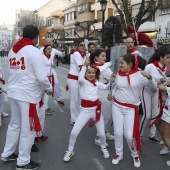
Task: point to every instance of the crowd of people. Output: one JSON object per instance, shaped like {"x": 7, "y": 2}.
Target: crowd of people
{"x": 97, "y": 96}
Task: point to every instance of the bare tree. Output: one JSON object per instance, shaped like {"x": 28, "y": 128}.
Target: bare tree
{"x": 30, "y": 18}
{"x": 146, "y": 11}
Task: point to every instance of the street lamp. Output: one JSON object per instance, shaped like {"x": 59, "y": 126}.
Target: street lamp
{"x": 103, "y": 4}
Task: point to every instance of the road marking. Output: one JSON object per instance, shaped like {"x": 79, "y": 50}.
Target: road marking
{"x": 98, "y": 164}
{"x": 57, "y": 105}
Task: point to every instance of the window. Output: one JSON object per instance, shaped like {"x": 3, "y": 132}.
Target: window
{"x": 168, "y": 27}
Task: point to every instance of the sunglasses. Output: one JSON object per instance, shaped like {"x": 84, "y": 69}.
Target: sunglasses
{"x": 82, "y": 45}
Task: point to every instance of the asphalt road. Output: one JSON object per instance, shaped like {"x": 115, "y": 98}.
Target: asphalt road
{"x": 87, "y": 155}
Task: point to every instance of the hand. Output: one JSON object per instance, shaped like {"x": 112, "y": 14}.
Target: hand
{"x": 54, "y": 60}
{"x": 109, "y": 97}
{"x": 62, "y": 49}
{"x": 113, "y": 76}
{"x": 87, "y": 62}
{"x": 48, "y": 93}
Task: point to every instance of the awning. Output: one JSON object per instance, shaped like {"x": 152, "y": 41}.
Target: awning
{"x": 152, "y": 35}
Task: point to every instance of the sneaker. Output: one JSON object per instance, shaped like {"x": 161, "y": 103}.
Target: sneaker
{"x": 117, "y": 159}
{"x": 97, "y": 142}
{"x": 68, "y": 155}
{"x": 43, "y": 138}
{"x": 72, "y": 123}
{"x": 156, "y": 140}
{"x": 31, "y": 165}
{"x": 164, "y": 150}
{"x": 105, "y": 153}
{"x": 12, "y": 157}
{"x": 3, "y": 114}
{"x": 168, "y": 163}
{"x": 49, "y": 111}
{"x": 109, "y": 136}
{"x": 34, "y": 148}
{"x": 136, "y": 161}
{"x": 61, "y": 102}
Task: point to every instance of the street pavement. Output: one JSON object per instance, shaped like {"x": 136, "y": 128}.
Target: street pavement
{"x": 87, "y": 156}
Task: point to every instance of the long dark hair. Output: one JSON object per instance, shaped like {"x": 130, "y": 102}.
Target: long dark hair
{"x": 158, "y": 54}
{"x": 94, "y": 54}
{"x": 129, "y": 58}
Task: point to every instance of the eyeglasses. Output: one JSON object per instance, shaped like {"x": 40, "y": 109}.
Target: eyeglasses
{"x": 82, "y": 45}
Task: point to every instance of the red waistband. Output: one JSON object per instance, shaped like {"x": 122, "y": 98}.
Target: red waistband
{"x": 165, "y": 107}
{"x": 70, "y": 76}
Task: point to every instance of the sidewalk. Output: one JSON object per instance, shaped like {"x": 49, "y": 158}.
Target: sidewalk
{"x": 64, "y": 65}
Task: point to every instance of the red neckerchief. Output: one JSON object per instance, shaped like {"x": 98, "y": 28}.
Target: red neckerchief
{"x": 132, "y": 71}
{"x": 96, "y": 65}
{"x": 92, "y": 81}
{"x": 22, "y": 43}
{"x": 131, "y": 51}
{"x": 157, "y": 65}
{"x": 48, "y": 56}
{"x": 83, "y": 54}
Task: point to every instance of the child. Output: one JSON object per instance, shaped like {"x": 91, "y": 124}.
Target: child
{"x": 126, "y": 99}
{"x": 90, "y": 108}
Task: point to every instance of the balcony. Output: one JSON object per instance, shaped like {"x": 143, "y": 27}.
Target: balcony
{"x": 55, "y": 27}
{"x": 148, "y": 26}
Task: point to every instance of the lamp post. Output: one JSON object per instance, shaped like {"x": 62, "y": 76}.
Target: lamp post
{"x": 103, "y": 4}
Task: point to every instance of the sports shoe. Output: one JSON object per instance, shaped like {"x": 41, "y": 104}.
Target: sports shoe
{"x": 61, "y": 102}
{"x": 156, "y": 140}
{"x": 164, "y": 150}
{"x": 117, "y": 159}
{"x": 136, "y": 161}
{"x": 168, "y": 163}
{"x": 49, "y": 111}
{"x": 3, "y": 114}
{"x": 97, "y": 142}
{"x": 43, "y": 138}
{"x": 105, "y": 153}
{"x": 31, "y": 165}
{"x": 12, "y": 157}
{"x": 109, "y": 136}
{"x": 34, "y": 148}
{"x": 72, "y": 123}
{"x": 68, "y": 155}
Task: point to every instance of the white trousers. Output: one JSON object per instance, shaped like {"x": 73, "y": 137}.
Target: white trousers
{"x": 150, "y": 105}
{"x": 19, "y": 131}
{"x": 84, "y": 116}
{"x": 1, "y": 105}
{"x": 74, "y": 99}
{"x": 123, "y": 122}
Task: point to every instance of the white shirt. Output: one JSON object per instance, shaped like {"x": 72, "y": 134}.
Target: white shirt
{"x": 76, "y": 62}
{"x": 27, "y": 76}
{"x": 125, "y": 93}
{"x": 54, "y": 52}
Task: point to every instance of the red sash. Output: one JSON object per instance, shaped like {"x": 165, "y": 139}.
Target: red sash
{"x": 70, "y": 76}
{"x": 34, "y": 120}
{"x": 51, "y": 79}
{"x": 136, "y": 144}
{"x": 88, "y": 103}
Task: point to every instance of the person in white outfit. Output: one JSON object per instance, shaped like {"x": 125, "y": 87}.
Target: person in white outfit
{"x": 98, "y": 58}
{"x": 126, "y": 99}
{"x": 90, "y": 108}
{"x": 57, "y": 90}
{"x": 76, "y": 62}
{"x": 26, "y": 83}
{"x": 163, "y": 124}
{"x": 152, "y": 100}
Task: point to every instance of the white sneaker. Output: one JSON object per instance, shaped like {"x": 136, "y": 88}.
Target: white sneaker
{"x": 97, "y": 142}
{"x": 164, "y": 150}
{"x": 3, "y": 114}
{"x": 168, "y": 163}
{"x": 68, "y": 155}
{"x": 136, "y": 161}
{"x": 117, "y": 159}
{"x": 109, "y": 136}
{"x": 105, "y": 153}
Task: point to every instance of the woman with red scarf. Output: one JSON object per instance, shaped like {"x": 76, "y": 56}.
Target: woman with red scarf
{"x": 152, "y": 100}
{"x": 76, "y": 62}
{"x": 126, "y": 99}
{"x": 98, "y": 58}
